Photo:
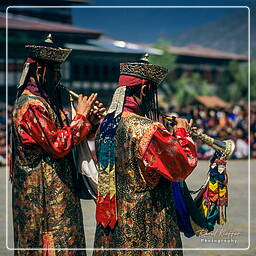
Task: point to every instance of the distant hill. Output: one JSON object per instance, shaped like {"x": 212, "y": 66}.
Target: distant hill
{"x": 229, "y": 34}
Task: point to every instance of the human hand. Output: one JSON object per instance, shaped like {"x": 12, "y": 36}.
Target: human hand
{"x": 183, "y": 123}
{"x": 85, "y": 104}
{"x": 97, "y": 112}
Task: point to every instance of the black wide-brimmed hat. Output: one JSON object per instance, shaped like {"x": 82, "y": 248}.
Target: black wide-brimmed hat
{"x": 48, "y": 51}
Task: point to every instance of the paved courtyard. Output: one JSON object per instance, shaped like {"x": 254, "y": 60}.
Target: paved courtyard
{"x": 232, "y": 235}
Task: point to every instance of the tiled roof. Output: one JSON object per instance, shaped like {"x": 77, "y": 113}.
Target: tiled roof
{"x": 200, "y": 51}
{"x": 123, "y": 46}
{"x": 16, "y": 22}
{"x": 203, "y": 52}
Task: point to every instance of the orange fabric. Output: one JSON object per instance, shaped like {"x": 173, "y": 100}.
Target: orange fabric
{"x": 48, "y": 243}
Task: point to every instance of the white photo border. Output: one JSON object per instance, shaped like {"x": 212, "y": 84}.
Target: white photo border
{"x": 135, "y": 249}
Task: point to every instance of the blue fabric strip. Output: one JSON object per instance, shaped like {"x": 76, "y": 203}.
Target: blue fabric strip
{"x": 183, "y": 215}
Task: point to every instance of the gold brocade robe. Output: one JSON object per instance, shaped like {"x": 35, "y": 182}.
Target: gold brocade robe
{"x": 46, "y": 206}
{"x": 146, "y": 216}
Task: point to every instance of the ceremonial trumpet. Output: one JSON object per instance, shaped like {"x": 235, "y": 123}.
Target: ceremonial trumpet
{"x": 75, "y": 95}
{"x": 226, "y": 147}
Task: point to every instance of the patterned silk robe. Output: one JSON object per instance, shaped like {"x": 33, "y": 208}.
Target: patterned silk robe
{"x": 148, "y": 159}
{"x": 46, "y": 207}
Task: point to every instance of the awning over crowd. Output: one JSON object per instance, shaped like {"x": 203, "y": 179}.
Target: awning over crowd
{"x": 211, "y": 101}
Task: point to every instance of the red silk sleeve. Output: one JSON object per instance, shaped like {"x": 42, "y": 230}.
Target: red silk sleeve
{"x": 174, "y": 157}
{"x": 36, "y": 128}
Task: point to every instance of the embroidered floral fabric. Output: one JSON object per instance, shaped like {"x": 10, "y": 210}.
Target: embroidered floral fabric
{"x": 147, "y": 160}
{"x": 45, "y": 202}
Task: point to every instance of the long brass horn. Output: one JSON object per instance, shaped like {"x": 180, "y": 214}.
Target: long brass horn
{"x": 226, "y": 147}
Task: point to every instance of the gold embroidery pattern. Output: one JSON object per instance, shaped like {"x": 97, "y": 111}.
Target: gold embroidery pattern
{"x": 44, "y": 195}
{"x": 142, "y": 130}
{"x": 103, "y": 185}
{"x": 147, "y": 71}
{"x": 48, "y": 53}
{"x": 145, "y": 210}
{"x": 22, "y": 106}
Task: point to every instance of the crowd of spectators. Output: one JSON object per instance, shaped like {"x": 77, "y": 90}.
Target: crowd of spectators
{"x": 231, "y": 123}
{"x": 222, "y": 124}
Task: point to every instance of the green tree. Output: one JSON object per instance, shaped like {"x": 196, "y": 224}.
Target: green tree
{"x": 167, "y": 60}
{"x": 233, "y": 83}
{"x": 187, "y": 87}
{"x": 183, "y": 90}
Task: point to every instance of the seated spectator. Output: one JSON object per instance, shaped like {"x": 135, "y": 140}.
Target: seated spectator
{"x": 222, "y": 124}
{"x": 241, "y": 150}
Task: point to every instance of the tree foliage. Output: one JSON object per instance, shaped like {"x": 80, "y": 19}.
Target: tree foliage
{"x": 231, "y": 86}
{"x": 183, "y": 90}
{"x": 233, "y": 83}
{"x": 188, "y": 86}
{"x": 166, "y": 59}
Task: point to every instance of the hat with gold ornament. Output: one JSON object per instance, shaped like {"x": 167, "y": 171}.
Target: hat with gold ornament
{"x": 144, "y": 70}
{"x": 48, "y": 51}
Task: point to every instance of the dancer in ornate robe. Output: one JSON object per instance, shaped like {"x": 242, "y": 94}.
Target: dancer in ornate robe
{"x": 138, "y": 159}
{"x": 46, "y": 207}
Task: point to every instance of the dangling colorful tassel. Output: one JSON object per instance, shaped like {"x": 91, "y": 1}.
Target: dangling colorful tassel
{"x": 215, "y": 196}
